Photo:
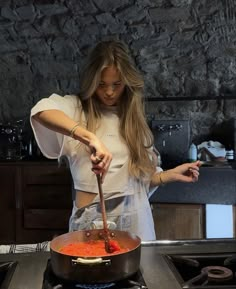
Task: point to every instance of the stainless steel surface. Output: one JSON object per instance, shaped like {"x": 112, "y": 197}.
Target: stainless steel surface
{"x": 155, "y": 270}
{"x": 188, "y": 242}
{"x": 29, "y": 270}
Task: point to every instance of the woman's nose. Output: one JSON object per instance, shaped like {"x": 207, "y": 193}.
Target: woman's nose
{"x": 109, "y": 90}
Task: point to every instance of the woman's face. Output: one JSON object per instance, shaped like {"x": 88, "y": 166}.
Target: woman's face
{"x": 110, "y": 87}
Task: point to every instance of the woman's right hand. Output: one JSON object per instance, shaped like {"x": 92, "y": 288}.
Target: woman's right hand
{"x": 58, "y": 121}
{"x": 100, "y": 157}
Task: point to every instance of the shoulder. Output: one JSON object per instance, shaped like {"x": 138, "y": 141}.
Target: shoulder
{"x": 67, "y": 102}
{"x": 68, "y": 98}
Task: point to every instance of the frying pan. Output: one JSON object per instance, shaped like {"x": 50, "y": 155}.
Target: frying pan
{"x": 99, "y": 269}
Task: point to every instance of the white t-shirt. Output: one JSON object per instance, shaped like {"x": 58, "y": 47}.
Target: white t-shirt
{"x": 133, "y": 213}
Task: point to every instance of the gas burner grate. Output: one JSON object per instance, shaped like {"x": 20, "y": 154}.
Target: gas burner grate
{"x": 95, "y": 286}
{"x": 7, "y": 270}
{"x": 204, "y": 270}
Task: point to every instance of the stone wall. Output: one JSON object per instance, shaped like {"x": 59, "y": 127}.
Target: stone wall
{"x": 184, "y": 48}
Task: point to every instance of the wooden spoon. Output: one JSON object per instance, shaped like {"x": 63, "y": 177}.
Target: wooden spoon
{"x": 108, "y": 246}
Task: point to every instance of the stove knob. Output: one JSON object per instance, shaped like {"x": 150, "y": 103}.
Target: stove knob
{"x": 8, "y": 130}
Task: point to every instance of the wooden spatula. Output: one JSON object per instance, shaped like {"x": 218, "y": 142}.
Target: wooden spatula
{"x": 108, "y": 244}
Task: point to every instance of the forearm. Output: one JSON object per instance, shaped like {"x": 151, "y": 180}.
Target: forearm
{"x": 187, "y": 172}
{"x": 58, "y": 121}
{"x": 161, "y": 178}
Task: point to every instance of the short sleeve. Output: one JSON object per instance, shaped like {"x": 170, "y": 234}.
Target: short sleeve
{"x": 50, "y": 142}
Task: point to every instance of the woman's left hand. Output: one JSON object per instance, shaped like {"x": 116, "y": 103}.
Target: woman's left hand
{"x": 187, "y": 172}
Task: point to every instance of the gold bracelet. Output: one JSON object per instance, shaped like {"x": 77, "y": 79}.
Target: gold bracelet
{"x": 72, "y": 131}
{"x": 161, "y": 180}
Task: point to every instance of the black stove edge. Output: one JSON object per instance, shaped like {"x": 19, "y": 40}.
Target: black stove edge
{"x": 10, "y": 269}
{"x": 191, "y": 282}
{"x": 188, "y": 242}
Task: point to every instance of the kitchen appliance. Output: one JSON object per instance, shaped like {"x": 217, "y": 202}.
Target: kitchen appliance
{"x": 172, "y": 140}
{"x": 100, "y": 269}
{"x": 201, "y": 271}
{"x": 11, "y": 141}
{"x": 50, "y": 281}
{"x": 7, "y": 270}
{"x": 33, "y": 268}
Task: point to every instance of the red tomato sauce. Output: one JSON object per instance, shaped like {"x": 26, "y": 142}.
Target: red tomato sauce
{"x": 91, "y": 248}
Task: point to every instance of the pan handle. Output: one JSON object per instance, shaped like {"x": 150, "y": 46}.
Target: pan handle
{"x": 91, "y": 261}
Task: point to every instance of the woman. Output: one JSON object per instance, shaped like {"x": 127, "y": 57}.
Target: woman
{"x": 104, "y": 131}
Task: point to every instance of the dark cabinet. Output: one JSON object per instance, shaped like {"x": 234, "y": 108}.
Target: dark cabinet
{"x": 179, "y": 221}
{"x": 179, "y": 209}
{"x": 37, "y": 201}
{"x": 9, "y": 183}
{"x": 182, "y": 221}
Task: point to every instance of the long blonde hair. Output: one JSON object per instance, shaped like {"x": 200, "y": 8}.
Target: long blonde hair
{"x": 133, "y": 125}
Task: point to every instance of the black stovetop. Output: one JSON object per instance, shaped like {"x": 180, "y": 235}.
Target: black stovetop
{"x": 7, "y": 270}
{"x": 156, "y": 272}
{"x": 204, "y": 270}
{"x": 50, "y": 281}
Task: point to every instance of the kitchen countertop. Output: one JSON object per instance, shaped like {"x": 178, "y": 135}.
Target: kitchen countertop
{"x": 216, "y": 185}
{"x": 157, "y": 274}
